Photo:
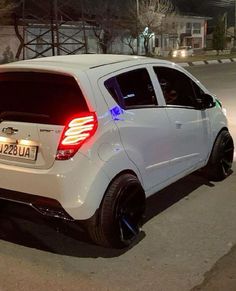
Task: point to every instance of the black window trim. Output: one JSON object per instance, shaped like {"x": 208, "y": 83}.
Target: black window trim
{"x": 142, "y": 107}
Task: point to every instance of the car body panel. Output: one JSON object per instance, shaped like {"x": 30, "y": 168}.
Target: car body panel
{"x": 191, "y": 131}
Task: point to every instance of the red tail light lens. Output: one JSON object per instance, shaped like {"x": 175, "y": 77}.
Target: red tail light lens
{"x": 76, "y": 132}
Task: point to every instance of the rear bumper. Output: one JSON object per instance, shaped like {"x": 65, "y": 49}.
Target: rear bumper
{"x": 45, "y": 206}
{"x": 76, "y": 186}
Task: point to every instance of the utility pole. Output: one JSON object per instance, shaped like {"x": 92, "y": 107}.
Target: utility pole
{"x": 137, "y": 26}
{"x": 234, "y": 24}
{"x": 56, "y": 27}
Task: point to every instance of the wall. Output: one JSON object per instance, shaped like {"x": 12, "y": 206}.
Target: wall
{"x": 9, "y": 43}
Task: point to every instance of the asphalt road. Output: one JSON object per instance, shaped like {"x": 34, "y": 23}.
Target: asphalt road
{"x": 187, "y": 241}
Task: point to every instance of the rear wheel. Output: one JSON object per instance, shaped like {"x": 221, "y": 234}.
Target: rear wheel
{"x": 120, "y": 213}
{"x": 221, "y": 159}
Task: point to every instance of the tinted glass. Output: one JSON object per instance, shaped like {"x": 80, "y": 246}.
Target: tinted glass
{"x": 136, "y": 88}
{"x": 177, "y": 88}
{"x": 39, "y": 97}
{"x": 114, "y": 90}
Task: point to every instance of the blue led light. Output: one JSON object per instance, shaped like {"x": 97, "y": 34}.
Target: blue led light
{"x": 115, "y": 112}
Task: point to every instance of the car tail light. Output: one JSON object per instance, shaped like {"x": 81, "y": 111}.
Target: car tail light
{"x": 76, "y": 132}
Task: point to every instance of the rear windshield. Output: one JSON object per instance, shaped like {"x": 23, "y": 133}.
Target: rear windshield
{"x": 39, "y": 97}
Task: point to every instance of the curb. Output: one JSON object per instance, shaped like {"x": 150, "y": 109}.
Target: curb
{"x": 207, "y": 62}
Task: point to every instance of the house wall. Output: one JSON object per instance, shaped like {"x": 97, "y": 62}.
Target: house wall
{"x": 9, "y": 43}
{"x": 71, "y": 40}
{"x": 183, "y": 30}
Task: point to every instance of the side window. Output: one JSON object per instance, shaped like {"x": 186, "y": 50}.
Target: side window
{"x": 136, "y": 88}
{"x": 132, "y": 89}
{"x": 177, "y": 88}
{"x": 198, "y": 91}
{"x": 113, "y": 89}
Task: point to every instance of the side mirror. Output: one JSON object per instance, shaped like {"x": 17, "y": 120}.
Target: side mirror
{"x": 206, "y": 101}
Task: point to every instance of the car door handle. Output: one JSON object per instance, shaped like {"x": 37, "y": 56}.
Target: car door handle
{"x": 178, "y": 124}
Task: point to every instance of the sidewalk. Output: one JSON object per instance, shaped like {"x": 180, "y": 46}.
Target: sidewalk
{"x": 206, "y": 62}
{"x": 203, "y": 60}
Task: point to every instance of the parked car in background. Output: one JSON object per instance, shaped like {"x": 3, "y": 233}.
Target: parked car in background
{"x": 90, "y": 137}
{"x": 182, "y": 52}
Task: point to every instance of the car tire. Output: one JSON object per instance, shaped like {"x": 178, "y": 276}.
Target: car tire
{"x": 120, "y": 214}
{"x": 221, "y": 158}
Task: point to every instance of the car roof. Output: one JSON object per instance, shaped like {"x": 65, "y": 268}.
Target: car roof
{"x": 84, "y": 62}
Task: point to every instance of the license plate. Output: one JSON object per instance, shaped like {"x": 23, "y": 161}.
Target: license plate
{"x": 18, "y": 151}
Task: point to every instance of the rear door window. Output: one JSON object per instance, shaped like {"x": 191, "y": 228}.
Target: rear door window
{"x": 39, "y": 97}
{"x": 132, "y": 89}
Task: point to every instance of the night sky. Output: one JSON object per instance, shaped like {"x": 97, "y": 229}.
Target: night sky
{"x": 205, "y": 8}
{"x": 187, "y": 7}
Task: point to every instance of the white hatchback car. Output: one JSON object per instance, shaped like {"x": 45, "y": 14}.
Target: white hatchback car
{"x": 89, "y": 137}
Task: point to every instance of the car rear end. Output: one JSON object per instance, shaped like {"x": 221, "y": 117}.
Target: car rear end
{"x": 44, "y": 120}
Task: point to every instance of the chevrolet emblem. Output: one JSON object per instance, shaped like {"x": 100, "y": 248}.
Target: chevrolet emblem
{"x": 9, "y": 130}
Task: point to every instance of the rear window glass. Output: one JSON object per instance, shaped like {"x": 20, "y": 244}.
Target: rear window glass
{"x": 39, "y": 97}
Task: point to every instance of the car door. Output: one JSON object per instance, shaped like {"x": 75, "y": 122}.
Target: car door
{"x": 190, "y": 123}
{"x": 143, "y": 125}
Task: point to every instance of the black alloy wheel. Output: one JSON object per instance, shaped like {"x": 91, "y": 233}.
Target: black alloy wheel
{"x": 120, "y": 214}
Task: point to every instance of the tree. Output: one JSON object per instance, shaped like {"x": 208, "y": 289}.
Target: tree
{"x": 6, "y": 9}
{"x": 219, "y": 35}
{"x": 129, "y": 38}
{"x": 104, "y": 17}
{"x": 147, "y": 19}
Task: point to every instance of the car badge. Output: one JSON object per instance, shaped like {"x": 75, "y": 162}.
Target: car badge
{"x": 9, "y": 130}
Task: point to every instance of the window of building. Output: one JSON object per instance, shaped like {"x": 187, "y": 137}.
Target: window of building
{"x": 189, "y": 28}
{"x": 197, "y": 42}
{"x": 197, "y": 28}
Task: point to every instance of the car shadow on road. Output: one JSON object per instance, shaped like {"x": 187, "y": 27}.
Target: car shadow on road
{"x": 172, "y": 194}
{"x": 21, "y": 225}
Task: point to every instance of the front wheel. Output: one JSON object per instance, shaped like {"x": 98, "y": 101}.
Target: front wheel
{"x": 221, "y": 159}
{"x": 120, "y": 213}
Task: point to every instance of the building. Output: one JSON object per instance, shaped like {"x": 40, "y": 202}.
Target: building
{"x": 179, "y": 30}
{"x": 37, "y": 39}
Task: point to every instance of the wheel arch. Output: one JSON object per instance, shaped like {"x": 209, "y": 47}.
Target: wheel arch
{"x": 220, "y": 160}
{"x": 95, "y": 217}
{"x": 107, "y": 227}
{"x": 123, "y": 172}
{"x": 213, "y": 144}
